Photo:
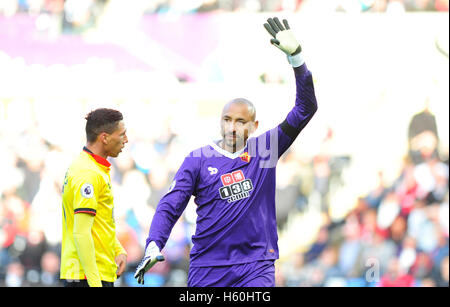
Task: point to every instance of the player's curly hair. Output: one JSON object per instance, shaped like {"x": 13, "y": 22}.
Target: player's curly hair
{"x": 101, "y": 120}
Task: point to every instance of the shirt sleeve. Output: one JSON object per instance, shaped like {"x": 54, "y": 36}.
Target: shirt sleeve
{"x": 271, "y": 145}
{"x": 302, "y": 112}
{"x": 86, "y": 190}
{"x": 173, "y": 203}
{"x": 85, "y": 248}
{"x": 118, "y": 248}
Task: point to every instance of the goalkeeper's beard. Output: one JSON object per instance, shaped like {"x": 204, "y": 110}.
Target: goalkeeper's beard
{"x": 233, "y": 142}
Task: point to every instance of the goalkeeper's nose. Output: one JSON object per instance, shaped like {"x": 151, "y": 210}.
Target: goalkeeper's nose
{"x": 230, "y": 127}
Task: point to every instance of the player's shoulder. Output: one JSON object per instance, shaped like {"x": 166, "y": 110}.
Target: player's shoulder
{"x": 83, "y": 168}
{"x": 263, "y": 139}
{"x": 83, "y": 163}
{"x": 204, "y": 152}
{"x": 200, "y": 156}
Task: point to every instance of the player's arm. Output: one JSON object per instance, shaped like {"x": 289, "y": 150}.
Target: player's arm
{"x": 168, "y": 211}
{"x": 118, "y": 248}
{"x": 85, "y": 247}
{"x": 120, "y": 257}
{"x": 172, "y": 205}
{"x": 86, "y": 192}
{"x": 305, "y": 102}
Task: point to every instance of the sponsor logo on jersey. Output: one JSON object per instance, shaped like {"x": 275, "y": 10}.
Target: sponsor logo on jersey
{"x": 212, "y": 170}
{"x": 235, "y": 186}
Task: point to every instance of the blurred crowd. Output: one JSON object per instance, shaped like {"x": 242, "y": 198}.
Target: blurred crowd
{"x": 164, "y": 6}
{"x": 396, "y": 235}
{"x": 84, "y": 12}
{"x": 82, "y": 16}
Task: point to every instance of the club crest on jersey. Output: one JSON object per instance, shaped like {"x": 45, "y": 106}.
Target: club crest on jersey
{"x": 245, "y": 157}
{"x": 235, "y": 186}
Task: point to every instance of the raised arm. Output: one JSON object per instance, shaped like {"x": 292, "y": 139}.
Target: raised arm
{"x": 305, "y": 102}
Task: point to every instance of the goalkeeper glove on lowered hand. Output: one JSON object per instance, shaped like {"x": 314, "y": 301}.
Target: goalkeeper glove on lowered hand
{"x": 152, "y": 255}
{"x": 284, "y": 39}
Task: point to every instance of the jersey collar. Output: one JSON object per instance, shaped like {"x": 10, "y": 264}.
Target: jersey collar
{"x": 97, "y": 158}
{"x": 226, "y": 153}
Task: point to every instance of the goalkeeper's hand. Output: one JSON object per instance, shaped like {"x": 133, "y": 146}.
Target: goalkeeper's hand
{"x": 152, "y": 255}
{"x": 283, "y": 37}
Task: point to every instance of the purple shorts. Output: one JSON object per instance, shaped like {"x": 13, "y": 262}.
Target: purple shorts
{"x": 253, "y": 274}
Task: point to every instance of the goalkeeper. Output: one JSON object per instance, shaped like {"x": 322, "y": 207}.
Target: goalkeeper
{"x": 233, "y": 182}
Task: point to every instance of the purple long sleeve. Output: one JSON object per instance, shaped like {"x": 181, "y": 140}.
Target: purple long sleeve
{"x": 304, "y": 109}
{"x": 172, "y": 205}
{"x": 273, "y": 143}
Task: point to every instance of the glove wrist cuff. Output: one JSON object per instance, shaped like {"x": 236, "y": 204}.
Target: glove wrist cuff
{"x": 296, "y": 60}
{"x": 152, "y": 249}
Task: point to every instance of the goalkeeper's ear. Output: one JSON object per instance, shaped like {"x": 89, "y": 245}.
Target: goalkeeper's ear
{"x": 253, "y": 126}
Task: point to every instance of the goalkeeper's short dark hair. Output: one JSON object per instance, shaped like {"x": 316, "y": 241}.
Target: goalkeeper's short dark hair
{"x": 101, "y": 120}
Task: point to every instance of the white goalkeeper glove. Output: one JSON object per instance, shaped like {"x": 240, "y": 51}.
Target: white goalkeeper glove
{"x": 284, "y": 39}
{"x": 152, "y": 255}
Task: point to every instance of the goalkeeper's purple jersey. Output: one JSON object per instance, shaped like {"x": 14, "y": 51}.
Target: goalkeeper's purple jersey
{"x": 234, "y": 192}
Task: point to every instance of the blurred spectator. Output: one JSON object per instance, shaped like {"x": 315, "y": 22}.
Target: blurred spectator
{"x": 287, "y": 189}
{"x": 50, "y": 269}
{"x": 423, "y": 136}
{"x": 441, "y": 5}
{"x": 396, "y": 276}
{"x": 292, "y": 271}
{"x": 350, "y": 248}
{"x": 420, "y": 5}
{"x": 432, "y": 178}
{"x": 442, "y": 279}
{"x": 318, "y": 246}
{"x": 375, "y": 196}
{"x": 15, "y": 275}
{"x": 398, "y": 229}
{"x": 328, "y": 264}
{"x": 422, "y": 267}
{"x": 378, "y": 248}
{"x": 408, "y": 254}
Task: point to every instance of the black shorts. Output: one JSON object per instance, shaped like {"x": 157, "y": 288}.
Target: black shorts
{"x": 82, "y": 283}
